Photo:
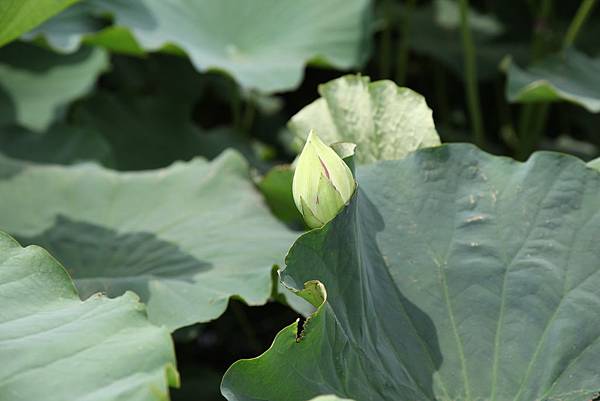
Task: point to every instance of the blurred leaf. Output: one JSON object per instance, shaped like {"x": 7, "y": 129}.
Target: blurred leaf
{"x": 433, "y": 273}
{"x": 117, "y": 39}
{"x": 54, "y": 347}
{"x": 435, "y": 32}
{"x": 382, "y": 119}
{"x": 154, "y": 131}
{"x": 447, "y": 15}
{"x": 198, "y": 384}
{"x": 143, "y": 132}
{"x": 38, "y": 84}
{"x": 19, "y": 16}
{"x": 65, "y": 31}
{"x": 276, "y": 186}
{"x": 263, "y": 44}
{"x": 595, "y": 164}
{"x": 185, "y": 238}
{"x": 61, "y": 144}
{"x": 570, "y": 76}
{"x": 567, "y": 144}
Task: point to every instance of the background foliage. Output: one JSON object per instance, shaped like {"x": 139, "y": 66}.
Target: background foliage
{"x": 146, "y": 145}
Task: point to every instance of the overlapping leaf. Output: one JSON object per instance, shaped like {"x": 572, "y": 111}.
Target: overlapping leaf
{"x": 452, "y": 275}
{"x": 435, "y": 32}
{"x": 60, "y": 144}
{"x": 570, "y": 76}
{"x": 36, "y": 84}
{"x": 19, "y": 16}
{"x": 263, "y": 44}
{"x": 55, "y": 347}
{"x": 383, "y": 120}
{"x": 185, "y": 238}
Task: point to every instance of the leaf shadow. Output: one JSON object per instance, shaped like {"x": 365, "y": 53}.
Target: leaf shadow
{"x": 393, "y": 343}
{"x": 100, "y": 259}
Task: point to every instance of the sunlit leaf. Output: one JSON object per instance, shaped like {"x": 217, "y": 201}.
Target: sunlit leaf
{"x": 383, "y": 120}
{"x": 185, "y": 238}
{"x": 55, "y": 347}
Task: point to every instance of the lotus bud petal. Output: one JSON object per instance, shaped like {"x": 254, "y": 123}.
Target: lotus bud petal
{"x": 322, "y": 183}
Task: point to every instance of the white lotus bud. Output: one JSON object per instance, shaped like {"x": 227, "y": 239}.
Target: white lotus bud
{"x": 322, "y": 183}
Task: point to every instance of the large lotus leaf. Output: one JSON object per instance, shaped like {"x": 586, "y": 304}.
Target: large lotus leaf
{"x": 263, "y": 44}
{"x": 55, "y": 347}
{"x": 569, "y": 76}
{"x": 37, "y": 84}
{"x": 184, "y": 238}
{"x": 452, "y": 275}
{"x": 19, "y": 16}
{"x": 385, "y": 121}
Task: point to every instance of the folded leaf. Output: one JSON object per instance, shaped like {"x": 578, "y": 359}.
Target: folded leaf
{"x": 452, "y": 275}
{"x": 570, "y": 76}
{"x": 55, "y": 347}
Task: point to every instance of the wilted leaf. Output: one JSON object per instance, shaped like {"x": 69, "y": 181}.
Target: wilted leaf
{"x": 452, "y": 275}
{"x": 55, "y": 347}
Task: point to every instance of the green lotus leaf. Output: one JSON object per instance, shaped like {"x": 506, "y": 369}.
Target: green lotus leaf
{"x": 383, "y": 120}
{"x": 451, "y": 275}
{"x": 36, "y": 84}
{"x": 569, "y": 76}
{"x": 263, "y": 44}
{"x": 185, "y": 238}
{"x": 19, "y": 16}
{"x": 435, "y": 32}
{"x": 60, "y": 144}
{"x": 55, "y": 347}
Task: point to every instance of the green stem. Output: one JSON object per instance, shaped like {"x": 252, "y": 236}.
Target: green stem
{"x": 541, "y": 21}
{"x": 532, "y": 125}
{"x": 580, "y": 17}
{"x": 246, "y": 326}
{"x": 404, "y": 43}
{"x": 236, "y": 105}
{"x": 386, "y": 41}
{"x": 249, "y": 113}
{"x": 533, "y": 117}
{"x": 471, "y": 75}
{"x": 441, "y": 94}
{"x": 529, "y": 120}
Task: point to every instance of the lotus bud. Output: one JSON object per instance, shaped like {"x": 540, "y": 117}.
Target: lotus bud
{"x": 322, "y": 183}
